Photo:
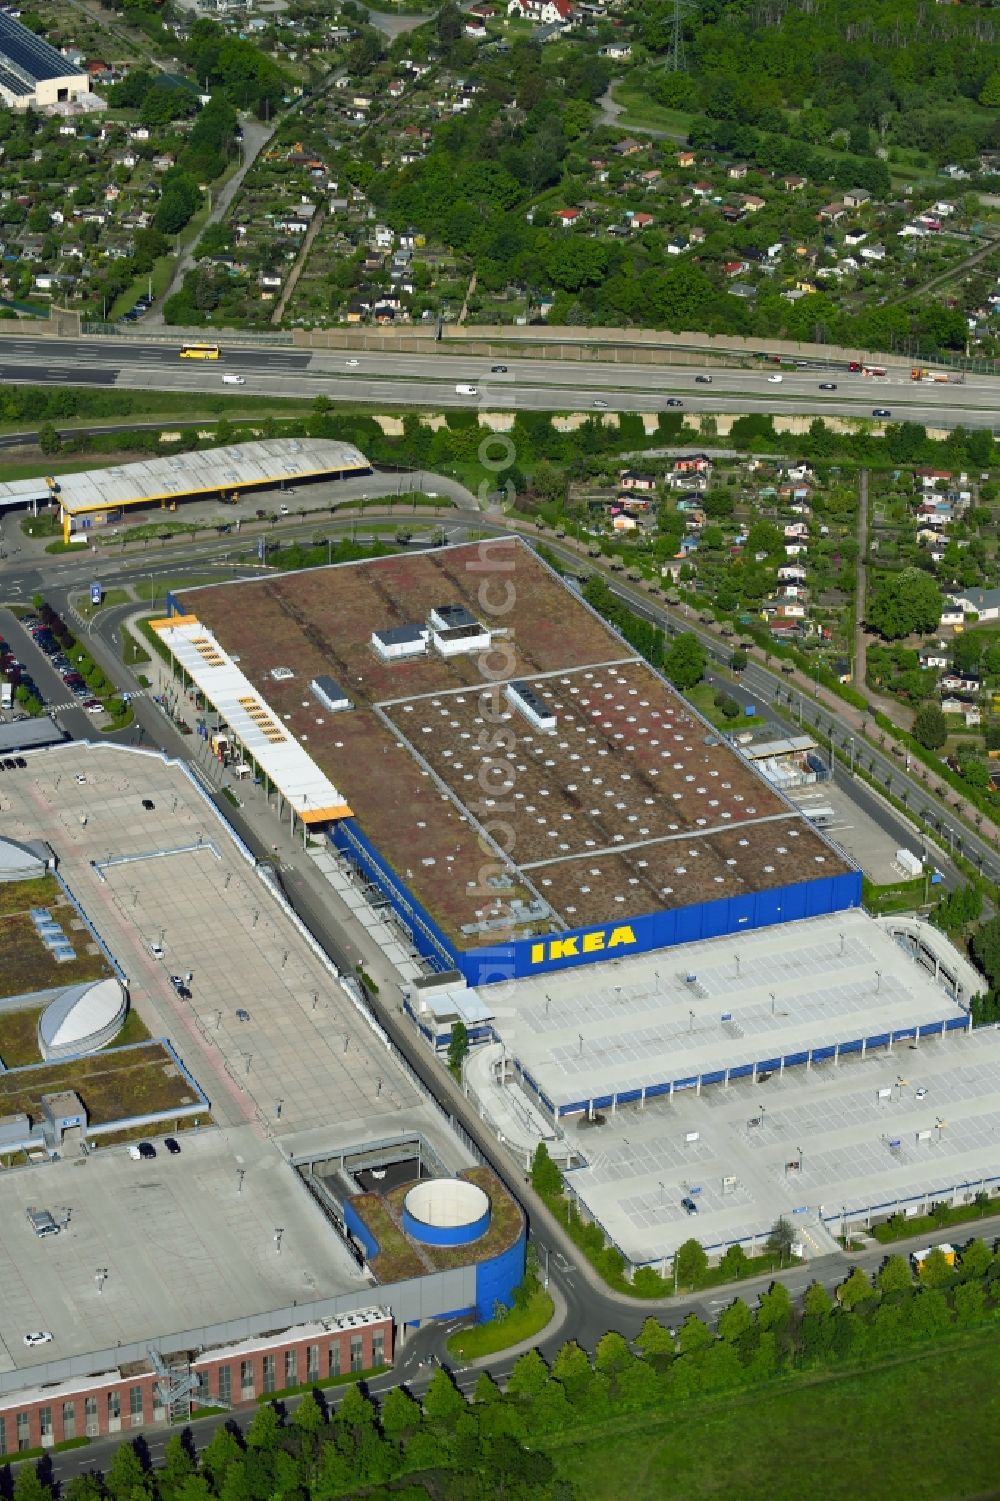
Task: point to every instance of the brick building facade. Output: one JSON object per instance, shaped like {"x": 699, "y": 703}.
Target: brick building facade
{"x": 136, "y": 1395}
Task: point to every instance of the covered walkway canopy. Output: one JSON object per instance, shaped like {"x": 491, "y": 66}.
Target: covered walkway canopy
{"x": 251, "y": 721}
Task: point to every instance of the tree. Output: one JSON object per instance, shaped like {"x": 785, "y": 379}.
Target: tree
{"x": 126, "y": 1477}
{"x": 308, "y": 1417}
{"x": 28, "y": 1485}
{"x": 934, "y": 1271}
{"x": 855, "y": 1291}
{"x": 49, "y": 440}
{"x": 894, "y": 1275}
{"x": 529, "y": 1375}
{"x": 690, "y": 1263}
{"x": 780, "y": 1238}
{"x": 738, "y": 661}
{"x": 774, "y": 1308}
{"x": 545, "y": 1176}
{"x": 571, "y": 1368}
{"x": 458, "y": 1047}
{"x": 902, "y": 603}
{"x": 929, "y": 726}
{"x": 734, "y": 1263}
{"x": 264, "y": 1428}
{"x": 684, "y": 664}
{"x": 443, "y": 1402}
{"x": 975, "y": 1260}
{"x": 990, "y": 92}
{"x": 817, "y": 1302}
{"x": 734, "y": 1321}
{"x": 612, "y": 1353}
{"x": 399, "y": 1414}
{"x": 654, "y": 1339}
{"x": 694, "y": 1334}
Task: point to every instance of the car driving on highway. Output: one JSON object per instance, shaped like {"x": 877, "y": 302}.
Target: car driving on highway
{"x": 881, "y": 412}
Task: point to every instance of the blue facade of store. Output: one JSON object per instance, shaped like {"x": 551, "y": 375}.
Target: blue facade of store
{"x": 612, "y": 940}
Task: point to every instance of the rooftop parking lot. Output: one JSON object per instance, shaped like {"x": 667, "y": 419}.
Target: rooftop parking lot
{"x": 728, "y": 1004}
{"x": 831, "y": 1147}
{"x": 184, "y": 1241}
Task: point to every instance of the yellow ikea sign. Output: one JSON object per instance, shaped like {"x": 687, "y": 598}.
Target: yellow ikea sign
{"x": 586, "y": 943}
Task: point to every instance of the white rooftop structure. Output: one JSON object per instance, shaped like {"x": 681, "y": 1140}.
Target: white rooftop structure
{"x": 705, "y": 1014}
{"x": 251, "y": 721}
{"x": 19, "y": 861}
{"x": 236, "y": 466}
{"x": 82, "y": 1019}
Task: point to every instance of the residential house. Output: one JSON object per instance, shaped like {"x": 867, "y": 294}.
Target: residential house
{"x": 933, "y": 657}
{"x": 831, "y": 213}
{"x": 642, "y": 221}
{"x": 628, "y": 147}
{"x": 793, "y": 183}
{"x": 753, "y": 203}
{"x": 686, "y": 158}
{"x": 618, "y": 51}
{"x": 702, "y": 189}
{"x": 694, "y": 463}
{"x": 678, "y": 245}
{"x": 952, "y": 613}
{"x": 543, "y": 12}
{"x": 982, "y": 602}
{"x": 873, "y": 253}
{"x": 857, "y": 197}
{"x": 567, "y": 217}
{"x": 736, "y": 171}
{"x": 634, "y": 479}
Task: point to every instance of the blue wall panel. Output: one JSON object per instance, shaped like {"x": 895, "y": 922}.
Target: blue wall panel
{"x": 496, "y": 1279}
{"x": 360, "y": 1230}
{"x": 655, "y": 930}
{"x": 445, "y": 1235}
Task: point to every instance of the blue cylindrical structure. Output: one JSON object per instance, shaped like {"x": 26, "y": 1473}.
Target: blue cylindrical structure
{"x": 446, "y": 1212}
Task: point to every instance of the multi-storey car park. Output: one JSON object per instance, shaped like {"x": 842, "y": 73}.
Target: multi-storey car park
{"x": 537, "y": 807}
{"x": 258, "y": 1256}
{"x": 525, "y": 790}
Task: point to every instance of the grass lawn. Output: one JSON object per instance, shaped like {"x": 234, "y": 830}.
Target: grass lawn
{"x": 881, "y": 1430}
{"x": 29, "y": 966}
{"x": 113, "y": 1085}
{"x": 112, "y": 597}
{"x": 702, "y": 696}
{"x": 641, "y": 110}
{"x": 134, "y": 1029}
{"x": 19, "y": 1037}
{"x": 159, "y": 588}
{"x": 899, "y": 896}
{"x": 21, "y": 896}
{"x": 500, "y": 1334}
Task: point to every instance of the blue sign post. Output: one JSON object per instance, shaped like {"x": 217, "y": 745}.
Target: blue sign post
{"x": 96, "y": 594}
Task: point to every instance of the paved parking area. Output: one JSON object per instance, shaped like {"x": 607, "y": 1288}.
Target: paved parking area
{"x": 855, "y": 831}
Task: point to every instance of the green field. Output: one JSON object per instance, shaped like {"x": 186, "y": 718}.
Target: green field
{"x": 920, "y": 1428}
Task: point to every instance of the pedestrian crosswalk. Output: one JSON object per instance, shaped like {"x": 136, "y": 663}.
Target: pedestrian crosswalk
{"x": 78, "y": 703}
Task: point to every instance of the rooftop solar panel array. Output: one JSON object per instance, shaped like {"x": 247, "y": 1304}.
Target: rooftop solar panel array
{"x": 30, "y": 57}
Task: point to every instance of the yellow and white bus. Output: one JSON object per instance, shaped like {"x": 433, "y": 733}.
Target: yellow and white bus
{"x": 199, "y": 351}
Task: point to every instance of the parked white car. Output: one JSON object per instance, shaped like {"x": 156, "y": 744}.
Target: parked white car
{"x": 40, "y": 1337}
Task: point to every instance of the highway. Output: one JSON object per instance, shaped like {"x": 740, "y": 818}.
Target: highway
{"x": 424, "y": 380}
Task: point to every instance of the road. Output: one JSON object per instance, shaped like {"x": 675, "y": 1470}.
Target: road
{"x": 424, "y": 380}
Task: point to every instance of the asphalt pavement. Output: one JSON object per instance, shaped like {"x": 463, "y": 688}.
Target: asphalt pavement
{"x": 373, "y": 377}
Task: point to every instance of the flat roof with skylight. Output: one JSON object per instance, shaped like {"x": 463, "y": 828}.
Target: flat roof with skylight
{"x": 500, "y": 725}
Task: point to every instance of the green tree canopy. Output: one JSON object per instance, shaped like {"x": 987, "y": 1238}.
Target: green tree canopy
{"x": 903, "y": 603}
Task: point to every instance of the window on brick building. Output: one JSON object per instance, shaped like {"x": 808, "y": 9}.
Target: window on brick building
{"x": 312, "y": 1362}
{"x": 90, "y": 1413}
{"x": 357, "y": 1356}
{"x": 334, "y": 1359}
{"x": 69, "y": 1420}
{"x": 246, "y": 1379}
{"x": 45, "y": 1422}
{"x": 378, "y": 1347}
{"x": 225, "y": 1383}
{"x": 23, "y": 1431}
{"x": 114, "y": 1406}
{"x": 135, "y": 1403}
{"x": 269, "y": 1384}
{"x": 291, "y": 1367}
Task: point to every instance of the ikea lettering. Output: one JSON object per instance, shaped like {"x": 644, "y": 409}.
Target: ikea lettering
{"x": 581, "y": 943}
